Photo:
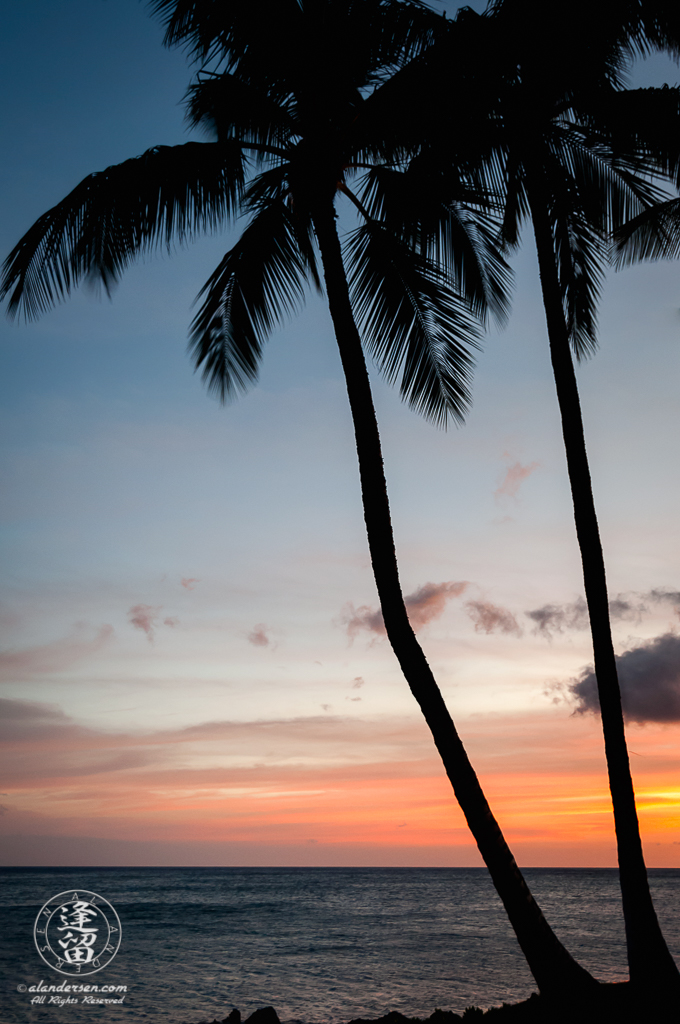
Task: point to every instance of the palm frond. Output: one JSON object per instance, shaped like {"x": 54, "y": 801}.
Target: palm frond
{"x": 415, "y": 327}
{"x": 516, "y": 206}
{"x": 639, "y": 126}
{"x": 168, "y": 194}
{"x": 586, "y": 180}
{"x": 580, "y": 255}
{"x": 579, "y": 248}
{"x": 231, "y": 108}
{"x": 208, "y": 28}
{"x": 431, "y": 210}
{"x": 274, "y": 39}
{"x": 258, "y": 283}
{"x": 653, "y": 235}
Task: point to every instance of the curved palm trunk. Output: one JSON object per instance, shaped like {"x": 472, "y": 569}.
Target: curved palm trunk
{"x": 555, "y": 971}
{"x": 649, "y": 959}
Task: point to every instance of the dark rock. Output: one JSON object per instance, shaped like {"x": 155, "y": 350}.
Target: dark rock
{"x": 266, "y": 1015}
{"x": 444, "y": 1017}
{"x": 234, "y": 1017}
{"x": 393, "y": 1017}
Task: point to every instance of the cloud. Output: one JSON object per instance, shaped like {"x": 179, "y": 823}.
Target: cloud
{"x": 513, "y": 479}
{"x": 363, "y": 617}
{"x": 171, "y": 620}
{"x": 356, "y": 685}
{"x": 649, "y": 677}
{"x": 632, "y": 606}
{"x": 24, "y": 719}
{"x": 620, "y": 608}
{"x": 258, "y": 636}
{"x": 423, "y": 605}
{"x": 144, "y": 617}
{"x": 489, "y": 618}
{"x": 54, "y": 657}
{"x": 556, "y": 618}
{"x": 428, "y": 602}
{"x": 189, "y": 582}
{"x": 662, "y": 595}
{"x": 629, "y": 607}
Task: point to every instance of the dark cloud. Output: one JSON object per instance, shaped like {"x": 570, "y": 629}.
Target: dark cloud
{"x": 20, "y": 719}
{"x": 664, "y": 596}
{"x": 54, "y": 657}
{"x": 630, "y": 607}
{"x": 649, "y": 676}
{"x": 258, "y": 636}
{"x": 556, "y": 618}
{"x": 514, "y": 478}
{"x": 423, "y": 605}
{"x": 489, "y": 618}
{"x": 621, "y": 608}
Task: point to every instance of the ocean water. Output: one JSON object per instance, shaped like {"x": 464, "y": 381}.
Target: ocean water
{"x": 321, "y": 945}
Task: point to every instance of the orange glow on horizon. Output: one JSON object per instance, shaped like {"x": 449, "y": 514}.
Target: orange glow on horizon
{"x": 544, "y": 780}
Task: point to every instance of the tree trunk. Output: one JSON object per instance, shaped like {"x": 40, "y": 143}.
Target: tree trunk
{"x": 555, "y": 971}
{"x": 649, "y": 959}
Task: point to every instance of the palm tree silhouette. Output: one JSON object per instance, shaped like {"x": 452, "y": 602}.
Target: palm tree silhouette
{"x": 293, "y": 99}
{"x": 569, "y": 150}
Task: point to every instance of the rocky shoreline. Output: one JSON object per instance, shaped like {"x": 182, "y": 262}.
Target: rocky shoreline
{"x": 609, "y": 1004}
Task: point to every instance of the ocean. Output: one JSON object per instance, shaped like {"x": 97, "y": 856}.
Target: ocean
{"x": 320, "y": 945}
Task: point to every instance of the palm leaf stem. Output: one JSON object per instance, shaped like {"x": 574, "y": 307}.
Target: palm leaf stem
{"x": 354, "y": 199}
{"x": 650, "y": 961}
{"x": 261, "y": 147}
{"x": 555, "y": 971}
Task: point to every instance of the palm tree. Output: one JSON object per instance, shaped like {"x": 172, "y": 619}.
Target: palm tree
{"x": 293, "y": 100}
{"x": 572, "y": 153}
{"x": 577, "y": 184}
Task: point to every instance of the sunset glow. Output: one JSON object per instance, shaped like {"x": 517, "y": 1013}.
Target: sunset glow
{"x": 194, "y": 668}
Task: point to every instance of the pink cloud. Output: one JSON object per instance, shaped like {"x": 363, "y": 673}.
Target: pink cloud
{"x": 428, "y": 602}
{"x": 171, "y": 620}
{"x": 513, "y": 479}
{"x": 423, "y": 605}
{"x": 189, "y": 582}
{"x": 363, "y": 617}
{"x": 144, "y": 617}
{"x": 489, "y": 618}
{"x": 258, "y": 636}
{"x": 52, "y": 657}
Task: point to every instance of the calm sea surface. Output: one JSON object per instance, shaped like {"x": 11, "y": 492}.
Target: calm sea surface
{"x": 318, "y": 944}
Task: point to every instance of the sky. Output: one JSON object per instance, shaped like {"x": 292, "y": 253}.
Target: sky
{"x": 192, "y": 668}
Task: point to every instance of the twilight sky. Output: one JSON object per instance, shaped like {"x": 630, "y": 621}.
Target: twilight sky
{"x": 192, "y": 668}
